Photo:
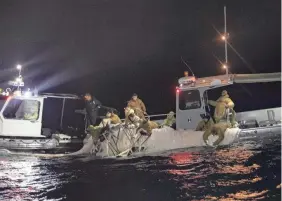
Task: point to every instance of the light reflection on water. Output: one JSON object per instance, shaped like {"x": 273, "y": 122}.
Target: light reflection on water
{"x": 219, "y": 164}
{"x": 223, "y": 174}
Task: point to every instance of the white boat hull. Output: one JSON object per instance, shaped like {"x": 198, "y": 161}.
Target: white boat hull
{"x": 166, "y": 138}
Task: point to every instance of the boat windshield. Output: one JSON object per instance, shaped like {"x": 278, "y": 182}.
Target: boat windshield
{"x": 22, "y": 109}
{"x": 2, "y": 101}
{"x": 189, "y": 100}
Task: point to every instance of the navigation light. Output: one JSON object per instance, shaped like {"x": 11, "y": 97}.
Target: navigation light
{"x": 19, "y": 67}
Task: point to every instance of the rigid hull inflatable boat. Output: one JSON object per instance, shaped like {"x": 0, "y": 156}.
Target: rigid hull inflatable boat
{"x": 44, "y": 123}
{"x": 191, "y": 106}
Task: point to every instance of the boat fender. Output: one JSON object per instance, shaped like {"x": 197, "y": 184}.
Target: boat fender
{"x": 5, "y": 151}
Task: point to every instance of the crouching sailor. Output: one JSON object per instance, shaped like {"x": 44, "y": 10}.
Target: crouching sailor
{"x": 205, "y": 124}
{"x": 170, "y": 120}
{"x": 145, "y": 126}
{"x": 131, "y": 119}
{"x": 224, "y": 116}
{"x": 110, "y": 119}
{"x": 217, "y": 130}
{"x": 114, "y": 119}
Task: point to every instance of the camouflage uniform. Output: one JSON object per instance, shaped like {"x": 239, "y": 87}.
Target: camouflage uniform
{"x": 138, "y": 106}
{"x": 220, "y": 116}
{"x": 205, "y": 125}
{"x": 170, "y": 120}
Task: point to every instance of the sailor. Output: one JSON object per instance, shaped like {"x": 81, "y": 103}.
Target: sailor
{"x": 96, "y": 131}
{"x": 222, "y": 103}
{"x": 110, "y": 118}
{"x": 92, "y": 106}
{"x": 114, "y": 119}
{"x": 217, "y": 130}
{"x": 170, "y": 120}
{"x": 30, "y": 110}
{"x": 131, "y": 117}
{"x": 224, "y": 116}
{"x": 205, "y": 124}
{"x": 31, "y": 116}
{"x": 137, "y": 105}
{"x": 146, "y": 126}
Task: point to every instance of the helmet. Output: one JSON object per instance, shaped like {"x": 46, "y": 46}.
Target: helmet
{"x": 171, "y": 113}
{"x": 224, "y": 92}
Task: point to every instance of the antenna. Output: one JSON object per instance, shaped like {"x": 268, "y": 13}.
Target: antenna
{"x": 225, "y": 40}
{"x": 187, "y": 66}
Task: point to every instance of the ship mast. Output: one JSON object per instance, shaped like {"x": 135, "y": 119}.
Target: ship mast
{"x": 19, "y": 78}
{"x": 225, "y": 37}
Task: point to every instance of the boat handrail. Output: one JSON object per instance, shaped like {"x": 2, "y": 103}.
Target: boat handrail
{"x": 156, "y": 115}
{"x": 153, "y": 115}
{"x": 60, "y": 95}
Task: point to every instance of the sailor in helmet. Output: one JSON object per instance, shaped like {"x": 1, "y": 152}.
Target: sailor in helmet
{"x": 223, "y": 102}
{"x": 114, "y": 118}
{"x": 205, "y": 124}
{"x": 145, "y": 126}
{"x": 223, "y": 108}
{"x": 110, "y": 119}
{"x": 170, "y": 120}
{"x": 131, "y": 117}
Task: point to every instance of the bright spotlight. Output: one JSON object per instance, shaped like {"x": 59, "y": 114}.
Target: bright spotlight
{"x": 224, "y": 66}
{"x": 19, "y": 79}
{"x": 223, "y": 38}
{"x": 19, "y": 67}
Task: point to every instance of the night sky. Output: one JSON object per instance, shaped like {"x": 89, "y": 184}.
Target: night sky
{"x": 113, "y": 48}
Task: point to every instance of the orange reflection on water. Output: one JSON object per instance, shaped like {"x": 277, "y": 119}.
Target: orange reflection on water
{"x": 182, "y": 158}
{"x": 233, "y": 155}
{"x": 237, "y": 169}
{"x": 241, "y": 195}
{"x": 237, "y": 156}
{"x": 237, "y": 182}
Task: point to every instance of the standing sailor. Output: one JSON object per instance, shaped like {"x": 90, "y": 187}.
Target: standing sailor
{"x": 222, "y": 103}
{"x": 92, "y": 106}
{"x": 138, "y": 106}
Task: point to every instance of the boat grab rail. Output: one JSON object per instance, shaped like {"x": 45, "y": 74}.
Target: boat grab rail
{"x": 153, "y": 115}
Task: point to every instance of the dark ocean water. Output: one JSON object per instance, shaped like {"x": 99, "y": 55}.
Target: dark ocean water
{"x": 232, "y": 173}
